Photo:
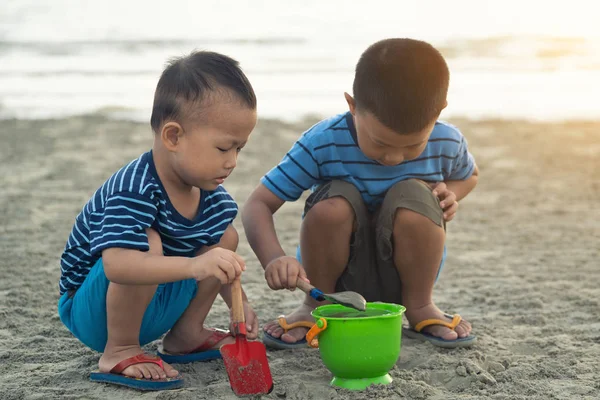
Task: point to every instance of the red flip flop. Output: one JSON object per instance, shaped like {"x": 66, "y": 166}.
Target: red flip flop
{"x": 116, "y": 377}
{"x": 204, "y": 352}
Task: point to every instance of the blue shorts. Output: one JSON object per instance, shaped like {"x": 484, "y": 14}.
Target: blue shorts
{"x": 84, "y": 313}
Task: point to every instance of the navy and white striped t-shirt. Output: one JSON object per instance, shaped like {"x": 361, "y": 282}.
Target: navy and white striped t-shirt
{"x": 132, "y": 200}
{"x": 329, "y": 151}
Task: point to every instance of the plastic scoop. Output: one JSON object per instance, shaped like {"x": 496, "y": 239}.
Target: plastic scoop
{"x": 246, "y": 362}
{"x": 348, "y": 299}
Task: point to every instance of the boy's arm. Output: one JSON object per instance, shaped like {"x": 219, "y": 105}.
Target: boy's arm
{"x": 462, "y": 188}
{"x": 257, "y": 217}
{"x": 134, "y": 267}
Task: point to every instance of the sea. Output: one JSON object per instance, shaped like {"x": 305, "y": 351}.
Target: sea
{"x": 508, "y": 59}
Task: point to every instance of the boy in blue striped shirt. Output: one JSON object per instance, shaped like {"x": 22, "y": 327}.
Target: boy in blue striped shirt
{"x": 385, "y": 178}
{"x": 155, "y": 244}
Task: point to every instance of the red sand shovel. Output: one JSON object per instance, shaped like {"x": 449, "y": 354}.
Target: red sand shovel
{"x": 246, "y": 362}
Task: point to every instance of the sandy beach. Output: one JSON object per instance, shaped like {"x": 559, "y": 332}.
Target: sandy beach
{"x": 523, "y": 266}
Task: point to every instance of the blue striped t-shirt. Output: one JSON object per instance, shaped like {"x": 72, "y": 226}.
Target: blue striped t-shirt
{"x": 132, "y": 200}
{"x": 329, "y": 151}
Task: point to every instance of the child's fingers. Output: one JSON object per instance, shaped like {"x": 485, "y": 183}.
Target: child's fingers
{"x": 449, "y": 198}
{"x": 252, "y": 327}
{"x": 239, "y": 268}
{"x": 439, "y": 188}
{"x": 233, "y": 269}
{"x": 222, "y": 276}
{"x": 450, "y": 211}
{"x": 293, "y": 275}
{"x": 237, "y": 262}
{"x": 302, "y": 274}
{"x": 251, "y": 335}
{"x": 283, "y": 276}
{"x": 273, "y": 280}
{"x": 240, "y": 260}
{"x": 228, "y": 270}
{"x": 443, "y": 194}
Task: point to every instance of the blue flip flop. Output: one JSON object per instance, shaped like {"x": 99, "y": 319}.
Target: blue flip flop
{"x": 416, "y": 332}
{"x": 116, "y": 377}
{"x": 204, "y": 352}
{"x": 278, "y": 344}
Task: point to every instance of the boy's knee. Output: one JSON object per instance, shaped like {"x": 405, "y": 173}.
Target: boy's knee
{"x": 332, "y": 211}
{"x": 412, "y": 188}
{"x": 407, "y": 219}
{"x": 230, "y": 239}
{"x": 154, "y": 242}
{"x": 411, "y": 203}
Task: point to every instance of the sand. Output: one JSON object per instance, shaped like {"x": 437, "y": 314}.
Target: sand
{"x": 522, "y": 267}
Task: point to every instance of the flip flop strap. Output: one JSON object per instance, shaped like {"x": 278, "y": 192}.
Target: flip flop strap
{"x": 139, "y": 359}
{"x": 434, "y": 321}
{"x": 286, "y": 327}
{"x": 215, "y": 337}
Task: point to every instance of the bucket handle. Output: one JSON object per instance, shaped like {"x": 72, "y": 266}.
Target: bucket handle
{"x": 311, "y": 335}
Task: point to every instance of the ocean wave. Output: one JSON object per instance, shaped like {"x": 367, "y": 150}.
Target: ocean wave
{"x": 515, "y": 48}
{"x": 103, "y": 73}
{"x": 543, "y": 47}
{"x": 73, "y": 46}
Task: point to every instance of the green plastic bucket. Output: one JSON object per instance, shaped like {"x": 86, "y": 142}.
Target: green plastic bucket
{"x": 359, "y": 348}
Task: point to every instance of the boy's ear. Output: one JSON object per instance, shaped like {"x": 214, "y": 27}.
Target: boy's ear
{"x": 442, "y": 109}
{"x": 170, "y": 135}
{"x": 351, "y": 103}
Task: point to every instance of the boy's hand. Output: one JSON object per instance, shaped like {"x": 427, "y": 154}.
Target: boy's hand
{"x": 223, "y": 264}
{"x": 283, "y": 272}
{"x": 251, "y": 322}
{"x": 447, "y": 200}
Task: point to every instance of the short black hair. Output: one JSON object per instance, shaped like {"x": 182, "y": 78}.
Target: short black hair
{"x": 402, "y": 82}
{"x": 189, "y": 80}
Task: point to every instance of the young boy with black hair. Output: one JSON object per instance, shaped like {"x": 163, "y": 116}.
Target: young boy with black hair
{"x": 154, "y": 246}
{"x": 385, "y": 178}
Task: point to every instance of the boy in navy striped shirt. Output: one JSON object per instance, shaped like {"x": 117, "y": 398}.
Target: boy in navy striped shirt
{"x": 155, "y": 245}
{"x": 385, "y": 178}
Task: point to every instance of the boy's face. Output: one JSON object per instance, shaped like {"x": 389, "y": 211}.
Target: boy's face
{"x": 382, "y": 144}
{"x": 206, "y": 150}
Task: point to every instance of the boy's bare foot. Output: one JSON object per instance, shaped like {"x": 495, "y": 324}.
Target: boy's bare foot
{"x": 113, "y": 356}
{"x": 178, "y": 342}
{"x": 430, "y": 311}
{"x": 302, "y": 313}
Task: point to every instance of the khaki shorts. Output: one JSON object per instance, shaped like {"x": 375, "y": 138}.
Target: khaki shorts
{"x": 371, "y": 270}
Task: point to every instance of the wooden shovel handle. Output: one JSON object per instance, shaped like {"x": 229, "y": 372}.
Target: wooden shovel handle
{"x": 237, "y": 306}
{"x": 304, "y": 286}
